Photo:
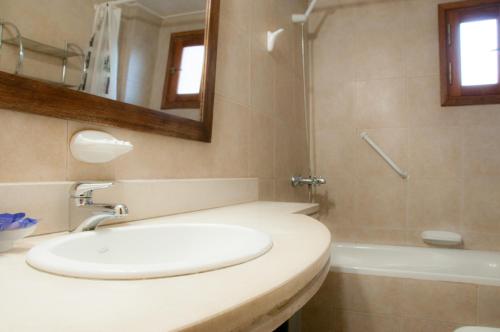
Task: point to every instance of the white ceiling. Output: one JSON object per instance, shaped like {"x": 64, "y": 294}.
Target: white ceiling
{"x": 173, "y": 7}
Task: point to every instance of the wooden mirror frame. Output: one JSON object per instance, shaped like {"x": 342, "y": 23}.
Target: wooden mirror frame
{"x": 31, "y": 96}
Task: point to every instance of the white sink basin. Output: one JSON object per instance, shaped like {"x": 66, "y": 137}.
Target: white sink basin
{"x": 149, "y": 251}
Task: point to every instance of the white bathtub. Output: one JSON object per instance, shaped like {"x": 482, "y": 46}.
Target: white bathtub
{"x": 469, "y": 266}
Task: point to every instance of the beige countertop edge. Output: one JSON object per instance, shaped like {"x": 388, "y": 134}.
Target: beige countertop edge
{"x": 234, "y": 298}
{"x": 269, "y": 311}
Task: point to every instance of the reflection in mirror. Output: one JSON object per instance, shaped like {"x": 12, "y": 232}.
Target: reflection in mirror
{"x": 143, "y": 52}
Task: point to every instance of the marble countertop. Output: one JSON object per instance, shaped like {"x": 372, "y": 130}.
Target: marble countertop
{"x": 220, "y": 300}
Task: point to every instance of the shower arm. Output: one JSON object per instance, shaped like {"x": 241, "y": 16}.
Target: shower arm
{"x": 302, "y": 18}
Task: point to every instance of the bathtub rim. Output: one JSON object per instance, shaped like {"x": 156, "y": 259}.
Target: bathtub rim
{"x": 418, "y": 275}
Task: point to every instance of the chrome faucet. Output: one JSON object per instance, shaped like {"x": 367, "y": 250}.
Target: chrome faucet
{"x": 311, "y": 181}
{"x": 81, "y": 203}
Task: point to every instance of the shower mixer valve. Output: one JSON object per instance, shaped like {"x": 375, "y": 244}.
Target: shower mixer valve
{"x": 310, "y": 181}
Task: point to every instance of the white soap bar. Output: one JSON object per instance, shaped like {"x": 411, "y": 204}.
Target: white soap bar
{"x": 442, "y": 238}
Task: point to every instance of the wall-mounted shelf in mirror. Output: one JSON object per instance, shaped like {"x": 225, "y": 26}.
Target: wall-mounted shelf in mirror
{"x": 126, "y": 47}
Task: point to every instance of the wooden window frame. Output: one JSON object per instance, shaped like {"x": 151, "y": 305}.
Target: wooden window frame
{"x": 450, "y": 17}
{"x": 178, "y": 41}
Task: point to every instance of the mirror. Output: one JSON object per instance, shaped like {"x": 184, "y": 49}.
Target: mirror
{"x": 157, "y": 55}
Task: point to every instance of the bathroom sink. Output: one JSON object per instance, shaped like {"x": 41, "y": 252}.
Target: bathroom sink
{"x": 149, "y": 251}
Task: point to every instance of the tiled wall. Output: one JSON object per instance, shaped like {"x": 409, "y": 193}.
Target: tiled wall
{"x": 258, "y": 119}
{"x": 374, "y": 68}
{"x": 361, "y": 303}
{"x": 49, "y": 202}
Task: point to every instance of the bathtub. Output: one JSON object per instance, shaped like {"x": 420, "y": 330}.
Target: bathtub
{"x": 456, "y": 265}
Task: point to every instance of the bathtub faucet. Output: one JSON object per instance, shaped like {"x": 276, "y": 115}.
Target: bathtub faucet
{"x": 310, "y": 181}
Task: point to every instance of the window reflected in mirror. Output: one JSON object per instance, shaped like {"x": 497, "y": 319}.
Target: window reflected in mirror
{"x": 183, "y": 77}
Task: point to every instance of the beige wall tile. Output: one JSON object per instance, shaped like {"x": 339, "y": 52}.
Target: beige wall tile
{"x": 424, "y": 104}
{"x": 283, "y": 90}
{"x": 381, "y": 103}
{"x": 457, "y": 302}
{"x": 483, "y": 115}
{"x": 481, "y": 204}
{"x": 369, "y": 294}
{"x": 435, "y": 152}
{"x": 233, "y": 64}
{"x": 298, "y": 116}
{"x": 421, "y": 37}
{"x": 348, "y": 321}
{"x": 488, "y": 310}
{"x": 380, "y": 203}
{"x": 46, "y": 202}
{"x": 291, "y": 156}
{"x": 379, "y": 51}
{"x": 266, "y": 190}
{"x": 230, "y": 140}
{"x": 237, "y": 13}
{"x": 262, "y": 79}
{"x": 481, "y": 241}
{"x": 336, "y": 200}
{"x": 333, "y": 106}
{"x": 481, "y": 151}
{"x": 335, "y": 152}
{"x": 318, "y": 314}
{"x": 351, "y": 302}
{"x": 283, "y": 151}
{"x": 156, "y": 198}
{"x": 368, "y": 235}
{"x": 285, "y": 49}
{"x": 331, "y": 34}
{"x": 33, "y": 148}
{"x": 263, "y": 20}
{"x": 434, "y": 204}
{"x": 261, "y": 149}
{"x": 284, "y": 192}
{"x": 420, "y": 325}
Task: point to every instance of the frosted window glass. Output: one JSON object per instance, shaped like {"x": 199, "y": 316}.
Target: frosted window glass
{"x": 191, "y": 70}
{"x": 478, "y": 52}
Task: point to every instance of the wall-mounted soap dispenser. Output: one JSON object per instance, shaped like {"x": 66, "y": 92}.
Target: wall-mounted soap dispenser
{"x": 92, "y": 146}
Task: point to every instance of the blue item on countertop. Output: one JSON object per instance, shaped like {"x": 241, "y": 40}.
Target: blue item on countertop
{"x": 9, "y": 221}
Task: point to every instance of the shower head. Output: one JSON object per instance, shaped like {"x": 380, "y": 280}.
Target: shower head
{"x": 299, "y": 18}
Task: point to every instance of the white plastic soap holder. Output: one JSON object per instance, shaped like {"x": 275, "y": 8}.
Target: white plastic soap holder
{"x": 271, "y": 39}
{"x": 92, "y": 146}
{"x": 8, "y": 237}
{"x": 442, "y": 238}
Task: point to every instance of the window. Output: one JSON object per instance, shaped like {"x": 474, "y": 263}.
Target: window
{"x": 469, "y": 52}
{"x": 186, "y": 57}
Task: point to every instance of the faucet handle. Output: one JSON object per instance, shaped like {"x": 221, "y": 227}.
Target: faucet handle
{"x": 319, "y": 180}
{"x": 84, "y": 190}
